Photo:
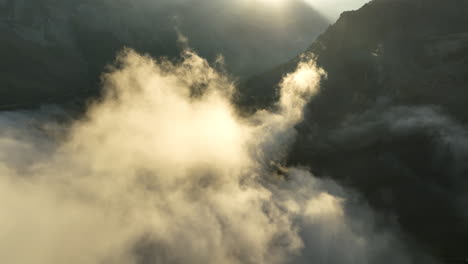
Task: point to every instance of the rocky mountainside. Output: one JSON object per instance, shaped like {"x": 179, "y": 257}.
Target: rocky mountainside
{"x": 54, "y": 50}
{"x": 391, "y": 118}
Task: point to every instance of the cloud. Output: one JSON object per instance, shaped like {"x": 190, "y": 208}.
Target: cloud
{"x": 162, "y": 169}
{"x": 444, "y": 140}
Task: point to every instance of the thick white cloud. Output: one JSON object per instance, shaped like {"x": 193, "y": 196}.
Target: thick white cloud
{"x": 164, "y": 170}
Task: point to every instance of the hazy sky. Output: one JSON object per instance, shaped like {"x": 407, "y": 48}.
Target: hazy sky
{"x": 333, "y": 8}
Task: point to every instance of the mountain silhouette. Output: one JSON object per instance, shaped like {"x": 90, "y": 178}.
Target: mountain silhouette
{"x": 390, "y": 119}
{"x": 54, "y": 51}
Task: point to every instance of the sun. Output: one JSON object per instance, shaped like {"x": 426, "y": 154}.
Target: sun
{"x": 274, "y": 2}
{"x": 270, "y": 3}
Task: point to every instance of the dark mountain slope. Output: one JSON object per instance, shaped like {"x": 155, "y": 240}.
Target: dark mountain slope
{"x": 52, "y": 50}
{"x": 391, "y": 119}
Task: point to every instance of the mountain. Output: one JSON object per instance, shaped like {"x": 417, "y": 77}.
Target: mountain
{"x": 54, "y": 50}
{"x": 390, "y": 119}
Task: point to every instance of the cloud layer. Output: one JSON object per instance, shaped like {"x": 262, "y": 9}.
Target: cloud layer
{"x": 162, "y": 169}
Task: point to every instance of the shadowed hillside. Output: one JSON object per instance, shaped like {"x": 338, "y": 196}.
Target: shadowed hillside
{"x": 53, "y": 50}
{"x": 391, "y": 118}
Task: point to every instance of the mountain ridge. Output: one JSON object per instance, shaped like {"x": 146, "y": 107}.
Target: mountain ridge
{"x": 57, "y": 50}
{"x": 390, "y": 118}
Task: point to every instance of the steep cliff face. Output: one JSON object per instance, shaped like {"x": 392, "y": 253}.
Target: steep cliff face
{"x": 54, "y": 49}
{"x": 391, "y": 118}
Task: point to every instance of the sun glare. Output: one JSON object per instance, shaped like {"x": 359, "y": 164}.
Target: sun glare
{"x": 275, "y": 2}
{"x": 270, "y": 3}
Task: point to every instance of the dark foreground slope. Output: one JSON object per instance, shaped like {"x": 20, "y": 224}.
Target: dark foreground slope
{"x": 53, "y": 50}
{"x": 391, "y": 119}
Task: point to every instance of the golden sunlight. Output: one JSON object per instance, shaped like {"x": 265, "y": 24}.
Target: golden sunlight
{"x": 270, "y": 3}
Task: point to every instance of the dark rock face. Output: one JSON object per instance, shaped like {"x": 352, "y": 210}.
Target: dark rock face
{"x": 391, "y": 119}
{"x": 55, "y": 50}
